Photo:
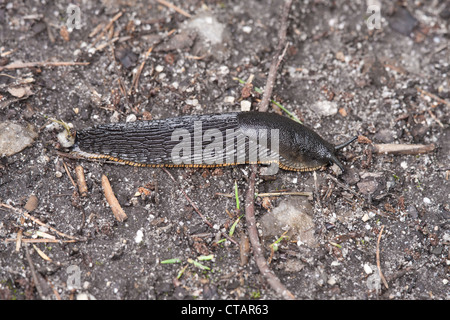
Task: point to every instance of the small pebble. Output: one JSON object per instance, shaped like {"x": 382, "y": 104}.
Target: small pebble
{"x": 365, "y": 217}
{"x": 367, "y": 269}
{"x": 331, "y": 281}
{"x": 247, "y": 29}
{"x": 139, "y": 236}
{"x": 245, "y": 105}
{"x": 229, "y": 99}
{"x": 131, "y": 118}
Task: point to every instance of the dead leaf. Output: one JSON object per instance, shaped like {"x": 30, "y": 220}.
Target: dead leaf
{"x": 42, "y": 254}
{"x": 64, "y": 33}
{"x": 20, "y": 92}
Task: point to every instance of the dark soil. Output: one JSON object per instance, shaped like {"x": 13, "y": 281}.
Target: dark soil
{"x": 337, "y": 76}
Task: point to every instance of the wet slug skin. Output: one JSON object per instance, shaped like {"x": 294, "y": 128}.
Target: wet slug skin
{"x": 210, "y": 141}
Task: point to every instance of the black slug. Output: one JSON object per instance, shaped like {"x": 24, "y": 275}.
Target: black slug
{"x": 209, "y": 141}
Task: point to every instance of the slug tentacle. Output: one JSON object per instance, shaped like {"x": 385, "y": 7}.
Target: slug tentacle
{"x": 210, "y": 141}
{"x": 343, "y": 145}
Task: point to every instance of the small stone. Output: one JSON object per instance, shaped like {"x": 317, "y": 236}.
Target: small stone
{"x": 367, "y": 269}
{"x": 437, "y": 250}
{"x": 229, "y": 99}
{"x": 245, "y": 105}
{"x": 192, "y": 102}
{"x": 368, "y": 186}
{"x": 159, "y": 68}
{"x": 331, "y": 281}
{"x": 350, "y": 176}
{"x": 426, "y": 200}
{"x": 131, "y": 118}
{"x": 340, "y": 56}
{"x": 412, "y": 211}
{"x": 247, "y": 29}
{"x": 325, "y": 108}
{"x": 365, "y": 217}
{"x": 85, "y": 296}
{"x": 385, "y": 136}
{"x": 208, "y": 27}
{"x": 294, "y": 265}
{"x": 14, "y": 137}
{"x": 294, "y": 215}
{"x": 139, "y": 236}
{"x": 223, "y": 70}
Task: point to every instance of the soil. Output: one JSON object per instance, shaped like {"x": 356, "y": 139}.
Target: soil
{"x": 390, "y": 85}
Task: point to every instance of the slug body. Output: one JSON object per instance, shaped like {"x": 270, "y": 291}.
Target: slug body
{"x": 210, "y": 141}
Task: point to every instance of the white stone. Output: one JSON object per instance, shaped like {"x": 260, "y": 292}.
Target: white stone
{"x": 245, "y": 105}
{"x": 139, "y": 236}
{"x": 367, "y": 269}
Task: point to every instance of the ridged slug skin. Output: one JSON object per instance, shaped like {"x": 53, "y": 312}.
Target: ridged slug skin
{"x": 209, "y": 141}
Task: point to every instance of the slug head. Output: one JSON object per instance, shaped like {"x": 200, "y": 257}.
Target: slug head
{"x": 333, "y": 159}
{"x": 312, "y": 152}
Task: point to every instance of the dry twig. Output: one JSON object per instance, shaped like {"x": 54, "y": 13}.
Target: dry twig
{"x": 31, "y": 240}
{"x": 403, "y": 148}
{"x": 33, "y": 273}
{"x": 81, "y": 181}
{"x": 278, "y": 57}
{"x": 174, "y": 7}
{"x": 434, "y": 97}
{"x": 141, "y": 67}
{"x": 378, "y": 259}
{"x": 117, "y": 210}
{"x": 20, "y": 65}
{"x": 258, "y": 253}
{"x": 39, "y": 222}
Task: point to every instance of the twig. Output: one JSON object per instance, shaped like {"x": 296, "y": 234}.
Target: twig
{"x": 28, "y": 216}
{"x": 69, "y": 175}
{"x": 435, "y": 97}
{"x": 19, "y": 240}
{"x": 378, "y": 259}
{"x": 279, "y": 105}
{"x": 435, "y": 118}
{"x": 403, "y": 148}
{"x": 174, "y": 7}
{"x": 196, "y": 208}
{"x": 345, "y": 187}
{"x": 81, "y": 181}
{"x": 258, "y": 253}
{"x": 33, "y": 273}
{"x": 244, "y": 249}
{"x": 287, "y": 193}
{"x": 106, "y": 28}
{"x": 141, "y": 67}
{"x": 30, "y": 240}
{"x": 117, "y": 210}
{"x": 264, "y": 105}
{"x": 21, "y": 65}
